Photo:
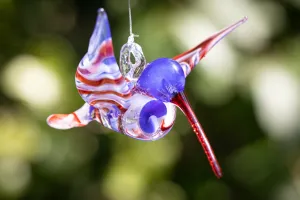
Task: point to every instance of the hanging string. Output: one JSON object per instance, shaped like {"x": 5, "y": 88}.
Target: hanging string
{"x": 131, "y": 36}
{"x": 130, "y": 19}
{"x": 132, "y": 59}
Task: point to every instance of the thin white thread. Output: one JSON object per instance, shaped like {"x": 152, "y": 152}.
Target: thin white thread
{"x": 132, "y": 35}
{"x": 130, "y": 19}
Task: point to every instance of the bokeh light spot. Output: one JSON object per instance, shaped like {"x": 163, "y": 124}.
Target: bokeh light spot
{"x": 28, "y": 79}
{"x": 277, "y": 101}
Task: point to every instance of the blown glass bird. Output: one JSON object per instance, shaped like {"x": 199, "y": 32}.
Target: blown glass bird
{"x": 140, "y": 103}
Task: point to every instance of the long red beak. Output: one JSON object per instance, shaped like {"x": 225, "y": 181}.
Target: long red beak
{"x": 181, "y": 101}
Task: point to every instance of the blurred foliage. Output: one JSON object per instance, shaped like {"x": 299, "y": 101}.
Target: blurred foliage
{"x": 246, "y": 93}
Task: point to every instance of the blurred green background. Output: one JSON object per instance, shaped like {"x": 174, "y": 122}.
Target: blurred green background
{"x": 246, "y": 94}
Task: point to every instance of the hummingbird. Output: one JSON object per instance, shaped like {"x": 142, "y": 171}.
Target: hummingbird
{"x": 138, "y": 100}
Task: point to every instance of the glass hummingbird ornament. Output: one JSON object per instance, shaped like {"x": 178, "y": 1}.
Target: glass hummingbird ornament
{"x": 141, "y": 101}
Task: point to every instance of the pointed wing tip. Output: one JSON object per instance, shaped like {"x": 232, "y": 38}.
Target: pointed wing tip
{"x": 244, "y": 19}
{"x": 101, "y": 11}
